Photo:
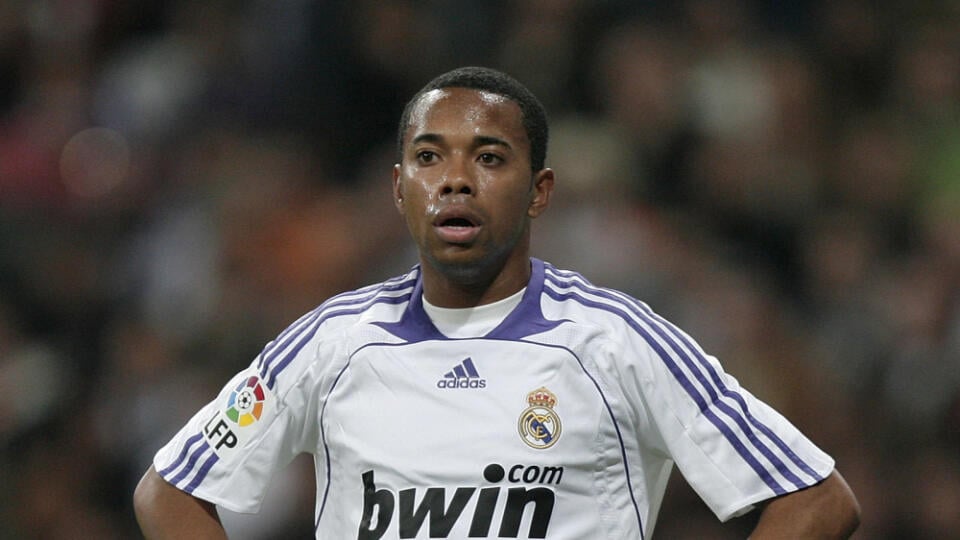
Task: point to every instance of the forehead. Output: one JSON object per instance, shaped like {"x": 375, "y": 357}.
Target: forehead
{"x": 466, "y": 109}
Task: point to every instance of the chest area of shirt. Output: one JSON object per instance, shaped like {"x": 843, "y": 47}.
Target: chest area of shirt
{"x": 509, "y": 399}
{"x": 460, "y": 437}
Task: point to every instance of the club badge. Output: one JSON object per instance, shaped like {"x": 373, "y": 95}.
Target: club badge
{"x": 539, "y": 424}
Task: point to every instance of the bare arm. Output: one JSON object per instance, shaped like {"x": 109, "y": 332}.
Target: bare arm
{"x": 826, "y": 510}
{"x": 164, "y": 511}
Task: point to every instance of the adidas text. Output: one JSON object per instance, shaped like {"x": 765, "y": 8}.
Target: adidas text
{"x": 462, "y": 383}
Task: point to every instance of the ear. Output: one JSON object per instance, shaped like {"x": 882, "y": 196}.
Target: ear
{"x": 542, "y": 188}
{"x": 397, "y": 188}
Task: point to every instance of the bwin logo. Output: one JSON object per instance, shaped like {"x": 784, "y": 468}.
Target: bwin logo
{"x": 463, "y": 375}
{"x": 378, "y": 505}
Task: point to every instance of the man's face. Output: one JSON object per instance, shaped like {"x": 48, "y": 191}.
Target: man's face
{"x": 464, "y": 183}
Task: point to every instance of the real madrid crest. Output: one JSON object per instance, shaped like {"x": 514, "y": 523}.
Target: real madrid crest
{"x": 539, "y": 424}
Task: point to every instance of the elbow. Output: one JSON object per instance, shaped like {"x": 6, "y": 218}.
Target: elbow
{"x": 827, "y": 510}
{"x": 846, "y": 507}
{"x": 851, "y": 521}
{"x": 145, "y": 496}
{"x": 141, "y": 497}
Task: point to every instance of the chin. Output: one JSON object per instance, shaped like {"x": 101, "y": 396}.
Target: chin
{"x": 466, "y": 268}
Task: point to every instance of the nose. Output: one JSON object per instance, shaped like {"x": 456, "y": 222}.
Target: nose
{"x": 458, "y": 179}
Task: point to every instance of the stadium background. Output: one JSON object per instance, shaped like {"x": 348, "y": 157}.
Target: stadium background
{"x": 179, "y": 180}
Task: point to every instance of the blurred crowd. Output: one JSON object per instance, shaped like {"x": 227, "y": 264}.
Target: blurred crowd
{"x": 181, "y": 180}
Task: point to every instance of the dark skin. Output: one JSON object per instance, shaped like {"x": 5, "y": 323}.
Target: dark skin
{"x": 467, "y": 162}
{"x": 826, "y": 510}
{"x": 164, "y": 511}
{"x": 468, "y": 195}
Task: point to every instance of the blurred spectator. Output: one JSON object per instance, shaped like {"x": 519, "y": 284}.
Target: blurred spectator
{"x": 180, "y": 181}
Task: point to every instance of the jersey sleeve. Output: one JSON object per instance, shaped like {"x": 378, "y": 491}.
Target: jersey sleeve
{"x": 732, "y": 448}
{"x": 231, "y": 449}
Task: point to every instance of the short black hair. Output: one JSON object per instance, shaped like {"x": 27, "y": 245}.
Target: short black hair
{"x": 533, "y": 115}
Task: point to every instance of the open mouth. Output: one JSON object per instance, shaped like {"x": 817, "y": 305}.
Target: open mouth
{"x": 457, "y": 222}
{"x": 457, "y": 226}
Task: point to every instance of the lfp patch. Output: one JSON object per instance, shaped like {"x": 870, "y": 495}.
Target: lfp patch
{"x": 245, "y": 404}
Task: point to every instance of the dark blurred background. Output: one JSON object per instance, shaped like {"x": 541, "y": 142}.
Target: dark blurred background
{"x": 181, "y": 180}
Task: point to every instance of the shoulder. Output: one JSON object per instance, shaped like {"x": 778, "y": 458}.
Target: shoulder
{"x": 578, "y": 300}
{"x": 630, "y": 327}
{"x": 318, "y": 336}
{"x": 376, "y": 302}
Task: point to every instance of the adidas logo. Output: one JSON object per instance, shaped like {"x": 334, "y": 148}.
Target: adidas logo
{"x": 463, "y": 375}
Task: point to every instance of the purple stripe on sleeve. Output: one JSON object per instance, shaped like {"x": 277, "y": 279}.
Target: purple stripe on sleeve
{"x": 316, "y": 318}
{"x": 273, "y": 343}
{"x": 183, "y": 454}
{"x": 289, "y": 338}
{"x": 190, "y": 463}
{"x": 727, "y": 392}
{"x": 662, "y": 328}
{"x": 685, "y": 382}
{"x": 202, "y": 473}
{"x": 292, "y": 353}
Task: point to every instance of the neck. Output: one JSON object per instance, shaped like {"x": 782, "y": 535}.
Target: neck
{"x": 463, "y": 288}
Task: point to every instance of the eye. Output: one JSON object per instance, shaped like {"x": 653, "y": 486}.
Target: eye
{"x": 489, "y": 159}
{"x": 426, "y": 156}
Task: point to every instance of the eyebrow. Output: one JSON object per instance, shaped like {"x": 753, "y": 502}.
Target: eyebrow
{"x": 485, "y": 140}
{"x": 479, "y": 140}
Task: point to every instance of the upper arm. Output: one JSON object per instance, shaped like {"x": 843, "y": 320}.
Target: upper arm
{"x": 164, "y": 511}
{"x": 229, "y": 451}
{"x": 732, "y": 448}
{"x": 826, "y": 510}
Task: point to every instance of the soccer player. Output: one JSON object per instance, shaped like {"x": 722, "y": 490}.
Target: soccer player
{"x": 486, "y": 393}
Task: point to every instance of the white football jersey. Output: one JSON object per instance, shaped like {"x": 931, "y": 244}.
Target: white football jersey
{"x": 564, "y": 421}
